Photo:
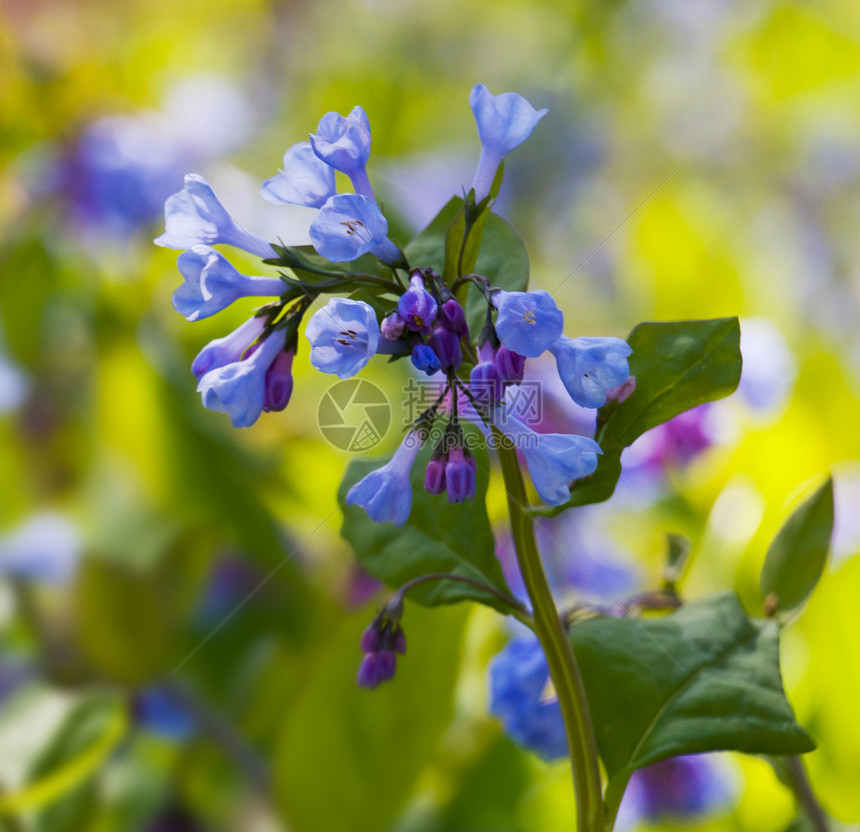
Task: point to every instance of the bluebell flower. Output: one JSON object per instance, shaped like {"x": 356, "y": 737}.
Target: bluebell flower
{"x": 392, "y": 326}
{"x": 386, "y": 493}
{"x": 349, "y": 225}
{"x": 416, "y": 306}
{"x": 434, "y": 476}
{"x": 304, "y": 180}
{"x": 156, "y": 710}
{"x": 344, "y": 143}
{"x": 46, "y": 547}
{"x": 522, "y": 697}
{"x": 425, "y": 359}
{"x": 194, "y": 215}
{"x": 239, "y": 388}
{"x": 528, "y": 322}
{"x": 553, "y": 459}
{"x": 591, "y": 367}
{"x": 344, "y": 336}
{"x": 678, "y": 789}
{"x": 212, "y": 284}
{"x": 504, "y": 122}
{"x": 228, "y": 349}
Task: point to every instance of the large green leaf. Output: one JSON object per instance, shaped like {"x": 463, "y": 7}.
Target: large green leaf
{"x": 427, "y": 248}
{"x": 798, "y": 553}
{"x": 504, "y": 261}
{"x": 370, "y": 747}
{"x": 678, "y": 365}
{"x": 704, "y": 678}
{"x": 438, "y": 537}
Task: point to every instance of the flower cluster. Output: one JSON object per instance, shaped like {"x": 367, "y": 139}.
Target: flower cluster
{"x": 414, "y": 313}
{"x": 380, "y": 643}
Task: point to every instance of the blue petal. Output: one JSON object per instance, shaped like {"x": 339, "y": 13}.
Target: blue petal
{"x": 528, "y": 322}
{"x": 348, "y": 226}
{"x": 591, "y": 367}
{"x": 304, "y": 180}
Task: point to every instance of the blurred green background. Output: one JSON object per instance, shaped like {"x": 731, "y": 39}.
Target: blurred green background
{"x": 701, "y": 158}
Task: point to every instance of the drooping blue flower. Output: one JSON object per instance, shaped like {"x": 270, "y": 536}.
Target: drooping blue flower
{"x": 553, "y": 459}
{"x": 678, "y": 789}
{"x": 528, "y": 322}
{"x": 156, "y": 710}
{"x": 349, "y": 225}
{"x": 46, "y": 547}
{"x": 590, "y": 367}
{"x": 195, "y": 216}
{"x": 344, "y": 143}
{"x": 304, "y": 180}
{"x": 504, "y": 122}
{"x": 446, "y": 345}
{"x": 212, "y": 284}
{"x": 386, "y": 494}
{"x": 425, "y": 359}
{"x": 522, "y": 697}
{"x": 416, "y": 306}
{"x": 239, "y": 388}
{"x": 228, "y": 349}
{"x": 344, "y": 336}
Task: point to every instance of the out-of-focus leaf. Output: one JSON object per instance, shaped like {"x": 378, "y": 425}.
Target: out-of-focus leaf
{"x": 678, "y": 365}
{"x": 124, "y": 625}
{"x": 704, "y": 678}
{"x": 370, "y": 746}
{"x": 489, "y": 792}
{"x": 438, "y": 537}
{"x": 59, "y": 781}
{"x": 798, "y": 553}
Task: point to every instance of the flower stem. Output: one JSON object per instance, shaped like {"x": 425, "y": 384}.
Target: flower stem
{"x": 559, "y": 655}
{"x": 802, "y": 789}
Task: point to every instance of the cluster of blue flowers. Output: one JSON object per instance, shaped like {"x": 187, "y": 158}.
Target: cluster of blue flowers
{"x": 249, "y": 370}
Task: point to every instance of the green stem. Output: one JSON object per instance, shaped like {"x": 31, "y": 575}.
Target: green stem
{"x": 802, "y": 789}
{"x": 559, "y": 655}
{"x": 614, "y": 793}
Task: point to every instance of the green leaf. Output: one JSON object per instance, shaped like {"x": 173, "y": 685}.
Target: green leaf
{"x": 427, "y": 248}
{"x": 798, "y": 553}
{"x": 60, "y": 780}
{"x": 369, "y": 746}
{"x": 504, "y": 261}
{"x": 704, "y": 678}
{"x": 438, "y": 537}
{"x": 678, "y": 365}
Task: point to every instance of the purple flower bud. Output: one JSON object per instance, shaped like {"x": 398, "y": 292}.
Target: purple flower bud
{"x": 386, "y": 664}
{"x": 446, "y": 345}
{"x": 485, "y": 382}
{"x": 370, "y": 638}
{"x": 417, "y": 306}
{"x": 454, "y": 316}
{"x": 460, "y": 476}
{"x": 400, "y": 642}
{"x": 434, "y": 479}
{"x": 392, "y": 327}
{"x": 510, "y": 365}
{"x": 368, "y": 671}
{"x": 279, "y": 381}
{"x": 623, "y": 392}
{"x": 425, "y": 359}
